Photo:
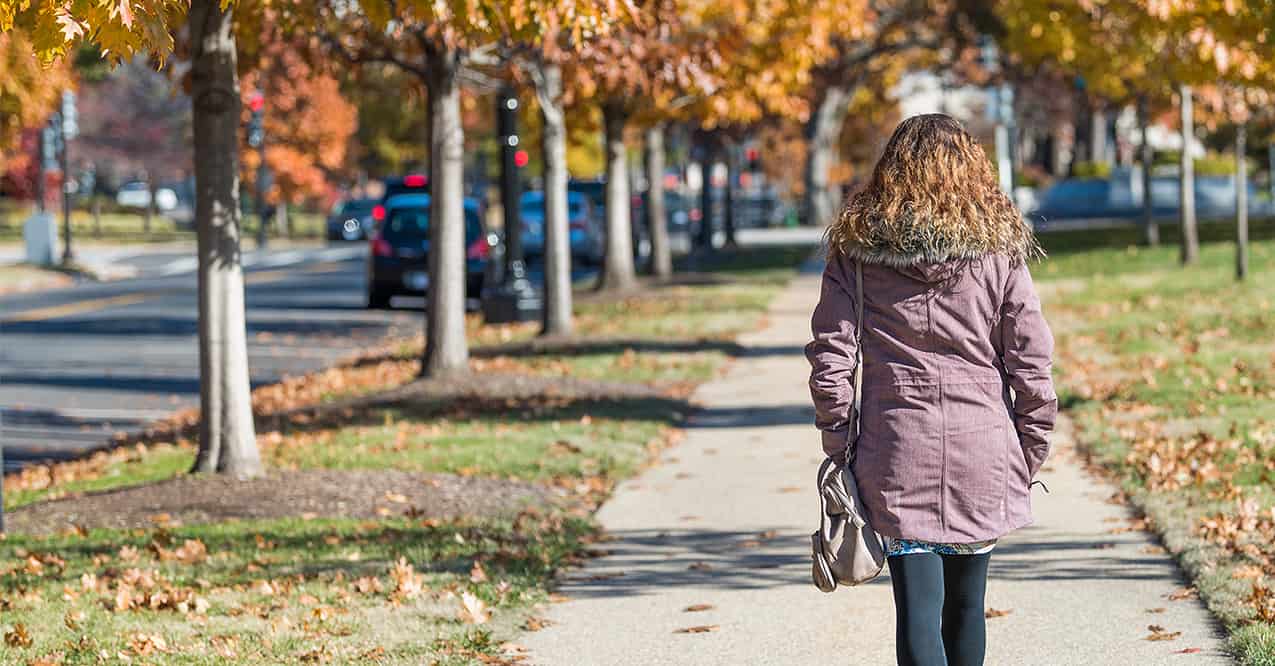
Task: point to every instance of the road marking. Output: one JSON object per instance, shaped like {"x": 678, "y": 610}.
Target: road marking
{"x": 183, "y": 265}
{"x": 78, "y": 307}
{"x": 282, "y": 259}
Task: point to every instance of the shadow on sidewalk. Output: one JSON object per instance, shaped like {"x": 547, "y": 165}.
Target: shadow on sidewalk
{"x": 641, "y": 562}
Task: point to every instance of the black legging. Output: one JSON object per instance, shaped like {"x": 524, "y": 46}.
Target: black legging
{"x": 938, "y": 601}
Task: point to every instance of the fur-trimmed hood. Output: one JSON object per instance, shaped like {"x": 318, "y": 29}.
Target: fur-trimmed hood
{"x": 907, "y": 241}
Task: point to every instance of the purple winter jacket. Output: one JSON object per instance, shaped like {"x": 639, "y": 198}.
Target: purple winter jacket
{"x": 946, "y": 451}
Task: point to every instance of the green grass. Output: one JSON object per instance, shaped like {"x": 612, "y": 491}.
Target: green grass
{"x": 117, "y": 471}
{"x": 1157, "y": 359}
{"x": 282, "y": 591}
{"x": 313, "y": 611}
{"x": 129, "y": 227}
{"x": 603, "y": 438}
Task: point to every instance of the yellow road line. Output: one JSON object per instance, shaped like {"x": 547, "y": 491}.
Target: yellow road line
{"x": 78, "y": 307}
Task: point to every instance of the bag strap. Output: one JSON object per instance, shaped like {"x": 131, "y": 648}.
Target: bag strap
{"x": 858, "y": 357}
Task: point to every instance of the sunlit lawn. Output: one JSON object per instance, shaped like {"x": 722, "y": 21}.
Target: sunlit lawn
{"x": 1170, "y": 375}
{"x": 293, "y": 591}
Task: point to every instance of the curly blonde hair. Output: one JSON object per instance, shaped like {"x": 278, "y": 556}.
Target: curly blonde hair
{"x": 932, "y": 197}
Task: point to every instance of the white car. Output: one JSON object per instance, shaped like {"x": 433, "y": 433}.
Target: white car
{"x": 138, "y": 195}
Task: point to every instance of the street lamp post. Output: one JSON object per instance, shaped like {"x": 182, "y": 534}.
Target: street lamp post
{"x": 515, "y": 298}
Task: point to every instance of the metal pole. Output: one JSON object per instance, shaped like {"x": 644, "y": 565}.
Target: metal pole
{"x": 507, "y": 126}
{"x": 40, "y": 167}
{"x": 67, "y": 255}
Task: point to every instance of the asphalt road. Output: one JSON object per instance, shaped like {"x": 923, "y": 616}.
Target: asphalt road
{"x": 80, "y": 364}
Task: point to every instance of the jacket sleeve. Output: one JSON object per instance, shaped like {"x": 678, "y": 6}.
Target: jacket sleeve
{"x": 831, "y": 355}
{"x": 1027, "y": 348}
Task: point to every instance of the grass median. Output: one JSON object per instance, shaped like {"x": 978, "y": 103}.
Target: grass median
{"x": 404, "y": 521}
{"x": 1169, "y": 374}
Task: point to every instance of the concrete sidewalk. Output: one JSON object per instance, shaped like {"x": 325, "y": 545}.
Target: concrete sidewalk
{"x": 724, "y": 522}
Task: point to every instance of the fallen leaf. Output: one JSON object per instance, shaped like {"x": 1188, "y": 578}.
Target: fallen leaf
{"x": 996, "y": 612}
{"x": 1159, "y": 634}
{"x": 18, "y": 636}
{"x": 696, "y": 608}
{"x": 535, "y": 624}
{"x": 477, "y": 574}
{"x": 700, "y": 566}
{"x": 1155, "y": 610}
{"x": 1190, "y": 650}
{"x": 701, "y": 629}
{"x": 473, "y": 610}
{"x": 1182, "y": 593}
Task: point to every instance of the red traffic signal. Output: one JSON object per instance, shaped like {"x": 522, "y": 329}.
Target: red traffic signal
{"x": 256, "y": 101}
{"x": 521, "y": 158}
{"x": 751, "y": 154}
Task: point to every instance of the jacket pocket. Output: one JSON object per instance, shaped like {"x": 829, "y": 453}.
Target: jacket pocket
{"x": 976, "y": 479}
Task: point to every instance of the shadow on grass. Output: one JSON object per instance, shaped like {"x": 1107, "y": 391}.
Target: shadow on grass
{"x": 530, "y": 547}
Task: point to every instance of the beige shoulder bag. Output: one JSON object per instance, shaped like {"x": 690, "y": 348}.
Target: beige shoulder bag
{"x": 846, "y": 550}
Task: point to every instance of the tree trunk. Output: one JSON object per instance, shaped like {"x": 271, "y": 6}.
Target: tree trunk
{"x": 617, "y": 271}
{"x": 1190, "y": 239}
{"x": 282, "y": 222}
{"x": 656, "y": 215}
{"x": 227, "y": 442}
{"x": 822, "y": 131}
{"x": 151, "y": 205}
{"x": 446, "y": 350}
{"x": 1150, "y": 231}
{"x": 97, "y": 216}
{"x": 1098, "y": 136}
{"x": 557, "y": 314}
{"x": 1241, "y": 204}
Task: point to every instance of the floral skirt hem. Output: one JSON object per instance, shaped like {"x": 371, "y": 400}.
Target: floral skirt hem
{"x": 895, "y": 547}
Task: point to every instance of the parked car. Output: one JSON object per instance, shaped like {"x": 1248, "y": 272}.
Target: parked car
{"x": 351, "y": 220}
{"x": 412, "y": 183}
{"x": 585, "y": 227}
{"x": 398, "y": 261}
{"x": 1120, "y": 198}
{"x": 137, "y": 194}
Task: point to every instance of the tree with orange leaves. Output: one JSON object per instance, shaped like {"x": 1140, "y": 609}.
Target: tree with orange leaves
{"x": 308, "y": 125}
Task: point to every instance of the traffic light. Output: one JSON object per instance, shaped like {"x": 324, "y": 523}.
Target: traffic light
{"x": 256, "y": 122}
{"x": 521, "y": 158}
{"x": 752, "y": 155}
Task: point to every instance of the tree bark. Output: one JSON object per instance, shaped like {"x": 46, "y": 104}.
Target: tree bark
{"x": 227, "y": 442}
{"x": 151, "y": 205}
{"x": 282, "y": 222}
{"x": 1150, "y": 231}
{"x": 1241, "y": 204}
{"x": 822, "y": 131}
{"x": 1190, "y": 251}
{"x": 1098, "y": 136}
{"x": 558, "y": 307}
{"x": 446, "y": 351}
{"x": 656, "y": 215}
{"x": 617, "y": 272}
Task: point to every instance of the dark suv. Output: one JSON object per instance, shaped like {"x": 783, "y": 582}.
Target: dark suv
{"x": 398, "y": 261}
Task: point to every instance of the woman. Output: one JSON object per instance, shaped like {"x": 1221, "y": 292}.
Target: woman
{"x": 947, "y": 453}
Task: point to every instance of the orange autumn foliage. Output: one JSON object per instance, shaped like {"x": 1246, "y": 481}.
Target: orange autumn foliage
{"x": 308, "y": 125}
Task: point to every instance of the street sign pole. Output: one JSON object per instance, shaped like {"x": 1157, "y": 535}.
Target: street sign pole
{"x": 68, "y": 128}
{"x": 257, "y": 139}
{"x": 67, "y": 255}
